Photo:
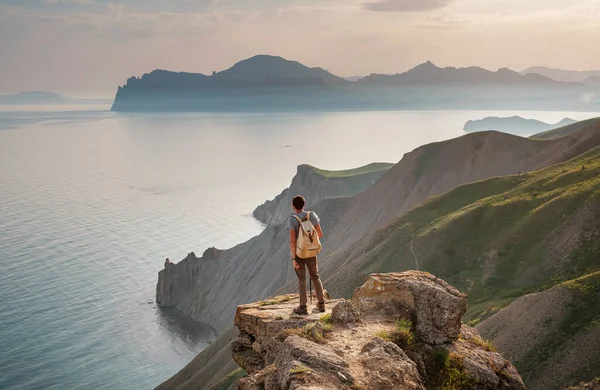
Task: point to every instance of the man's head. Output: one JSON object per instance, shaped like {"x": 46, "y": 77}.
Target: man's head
{"x": 298, "y": 202}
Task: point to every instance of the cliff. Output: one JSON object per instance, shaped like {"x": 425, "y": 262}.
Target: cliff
{"x": 209, "y": 288}
{"x": 400, "y": 331}
{"x": 316, "y": 185}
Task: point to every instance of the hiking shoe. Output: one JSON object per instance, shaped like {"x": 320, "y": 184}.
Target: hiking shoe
{"x": 321, "y": 307}
{"x": 301, "y": 311}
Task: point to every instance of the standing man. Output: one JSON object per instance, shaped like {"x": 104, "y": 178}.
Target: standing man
{"x": 302, "y": 242}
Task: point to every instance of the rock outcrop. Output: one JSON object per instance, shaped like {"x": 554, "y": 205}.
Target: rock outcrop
{"x": 395, "y": 346}
{"x": 433, "y": 305}
{"x": 315, "y": 185}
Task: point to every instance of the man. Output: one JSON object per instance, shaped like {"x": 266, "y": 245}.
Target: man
{"x": 300, "y": 264}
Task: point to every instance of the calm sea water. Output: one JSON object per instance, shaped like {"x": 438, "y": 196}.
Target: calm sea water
{"x": 91, "y": 203}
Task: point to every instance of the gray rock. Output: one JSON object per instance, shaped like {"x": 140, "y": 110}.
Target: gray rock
{"x": 435, "y": 307}
{"x": 259, "y": 380}
{"x": 488, "y": 369}
{"x": 388, "y": 367}
{"x": 345, "y": 313}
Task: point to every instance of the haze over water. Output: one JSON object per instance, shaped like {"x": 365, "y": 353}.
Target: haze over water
{"x": 91, "y": 202}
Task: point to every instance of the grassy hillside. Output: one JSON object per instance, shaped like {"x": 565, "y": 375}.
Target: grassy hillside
{"x": 552, "y": 336}
{"x": 499, "y": 238}
{"x": 565, "y": 130}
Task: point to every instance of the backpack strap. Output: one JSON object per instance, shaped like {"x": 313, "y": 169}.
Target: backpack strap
{"x": 300, "y": 229}
{"x": 308, "y": 215}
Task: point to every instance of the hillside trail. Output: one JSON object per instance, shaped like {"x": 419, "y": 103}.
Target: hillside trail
{"x": 412, "y": 250}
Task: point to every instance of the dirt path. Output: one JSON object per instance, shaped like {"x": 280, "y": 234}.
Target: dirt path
{"x": 471, "y": 283}
{"x": 412, "y": 250}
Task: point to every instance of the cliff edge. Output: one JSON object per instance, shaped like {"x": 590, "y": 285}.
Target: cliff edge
{"x": 318, "y": 184}
{"x": 400, "y": 331}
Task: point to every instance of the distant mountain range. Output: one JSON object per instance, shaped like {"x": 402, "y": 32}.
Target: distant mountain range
{"x": 34, "y": 97}
{"x": 45, "y": 98}
{"x": 514, "y": 125}
{"x": 270, "y": 83}
{"x": 430, "y": 74}
{"x": 564, "y": 75}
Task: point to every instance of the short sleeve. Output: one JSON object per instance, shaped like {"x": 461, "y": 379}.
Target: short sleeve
{"x": 289, "y": 222}
{"x": 314, "y": 218}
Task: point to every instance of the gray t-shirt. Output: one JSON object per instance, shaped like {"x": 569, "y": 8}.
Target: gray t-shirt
{"x": 292, "y": 223}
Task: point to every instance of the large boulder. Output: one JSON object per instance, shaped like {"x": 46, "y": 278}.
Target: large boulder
{"x": 483, "y": 365}
{"x": 304, "y": 357}
{"x": 434, "y": 307}
{"x": 388, "y": 367}
{"x": 345, "y": 313}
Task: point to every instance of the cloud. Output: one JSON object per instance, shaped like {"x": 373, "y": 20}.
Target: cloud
{"x": 405, "y": 5}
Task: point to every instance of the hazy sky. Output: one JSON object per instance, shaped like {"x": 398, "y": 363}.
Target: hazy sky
{"x": 88, "y": 47}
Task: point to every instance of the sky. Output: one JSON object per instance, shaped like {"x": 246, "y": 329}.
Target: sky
{"x": 89, "y": 47}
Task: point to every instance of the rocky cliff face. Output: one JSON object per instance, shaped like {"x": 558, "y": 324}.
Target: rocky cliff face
{"x": 401, "y": 331}
{"x": 316, "y": 185}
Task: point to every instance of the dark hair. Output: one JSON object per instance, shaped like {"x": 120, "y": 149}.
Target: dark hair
{"x": 298, "y": 202}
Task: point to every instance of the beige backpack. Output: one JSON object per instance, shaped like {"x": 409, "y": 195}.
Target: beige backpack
{"x": 308, "y": 244}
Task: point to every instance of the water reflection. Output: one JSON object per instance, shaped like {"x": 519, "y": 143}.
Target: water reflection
{"x": 183, "y": 329}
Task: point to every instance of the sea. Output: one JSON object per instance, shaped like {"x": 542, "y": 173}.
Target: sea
{"x": 92, "y": 203}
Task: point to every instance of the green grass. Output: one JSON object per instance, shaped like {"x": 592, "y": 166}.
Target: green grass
{"x": 565, "y": 130}
{"x": 229, "y": 380}
{"x": 486, "y": 345}
{"x": 371, "y": 168}
{"x": 583, "y": 314}
{"x": 384, "y": 334}
{"x": 402, "y": 334}
{"x": 448, "y": 373}
{"x": 316, "y": 333}
{"x": 326, "y": 319}
{"x": 299, "y": 369}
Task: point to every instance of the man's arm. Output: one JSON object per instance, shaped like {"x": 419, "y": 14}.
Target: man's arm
{"x": 319, "y": 231}
{"x": 293, "y": 248}
{"x": 293, "y": 243}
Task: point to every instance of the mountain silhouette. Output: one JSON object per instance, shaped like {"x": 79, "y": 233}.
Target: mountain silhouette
{"x": 430, "y": 74}
{"x": 266, "y": 83}
{"x": 562, "y": 75}
{"x": 261, "y": 68}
